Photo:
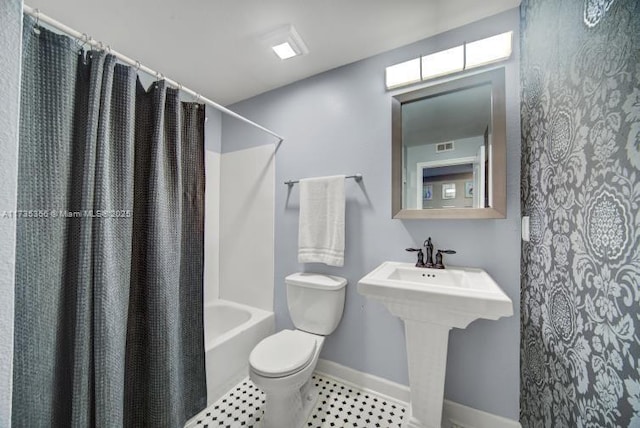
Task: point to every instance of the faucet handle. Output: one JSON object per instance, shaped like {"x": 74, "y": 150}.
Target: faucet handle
{"x": 447, "y": 251}
{"x": 439, "y": 264}
{"x": 420, "y": 262}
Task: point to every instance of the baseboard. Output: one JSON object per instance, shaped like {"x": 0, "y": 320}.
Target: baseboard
{"x": 364, "y": 381}
{"x": 454, "y": 415}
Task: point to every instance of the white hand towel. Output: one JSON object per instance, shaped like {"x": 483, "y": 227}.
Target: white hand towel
{"x": 321, "y": 230}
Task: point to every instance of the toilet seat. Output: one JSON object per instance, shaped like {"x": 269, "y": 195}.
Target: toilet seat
{"x": 283, "y": 353}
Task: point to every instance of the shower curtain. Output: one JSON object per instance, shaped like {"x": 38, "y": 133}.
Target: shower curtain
{"x": 109, "y": 257}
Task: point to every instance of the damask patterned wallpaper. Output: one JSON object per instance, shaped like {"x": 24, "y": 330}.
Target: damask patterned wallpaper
{"x": 580, "y": 342}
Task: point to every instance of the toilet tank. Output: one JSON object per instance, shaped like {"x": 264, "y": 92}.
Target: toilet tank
{"x": 315, "y": 301}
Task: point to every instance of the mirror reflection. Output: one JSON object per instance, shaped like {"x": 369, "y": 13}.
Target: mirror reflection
{"x": 446, "y": 150}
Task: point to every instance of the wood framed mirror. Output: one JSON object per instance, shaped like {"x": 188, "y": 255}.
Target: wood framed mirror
{"x": 449, "y": 149}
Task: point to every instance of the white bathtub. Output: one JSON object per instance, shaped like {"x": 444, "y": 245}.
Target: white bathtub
{"x": 231, "y": 330}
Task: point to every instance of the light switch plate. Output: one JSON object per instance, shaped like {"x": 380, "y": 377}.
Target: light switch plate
{"x": 525, "y": 228}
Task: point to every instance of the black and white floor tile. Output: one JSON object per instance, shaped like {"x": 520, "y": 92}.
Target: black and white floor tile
{"x": 338, "y": 405}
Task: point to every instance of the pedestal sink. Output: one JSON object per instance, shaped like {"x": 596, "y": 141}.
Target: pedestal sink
{"x": 431, "y": 302}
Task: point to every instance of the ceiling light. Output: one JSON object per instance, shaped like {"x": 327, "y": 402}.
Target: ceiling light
{"x": 443, "y": 62}
{"x": 404, "y": 73}
{"x": 284, "y": 50}
{"x": 285, "y": 42}
{"x": 486, "y": 51}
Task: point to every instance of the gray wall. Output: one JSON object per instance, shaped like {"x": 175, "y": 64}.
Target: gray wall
{"x": 212, "y": 130}
{"x": 339, "y": 122}
{"x": 10, "y": 58}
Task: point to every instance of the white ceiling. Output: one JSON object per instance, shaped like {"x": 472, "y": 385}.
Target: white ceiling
{"x": 213, "y": 46}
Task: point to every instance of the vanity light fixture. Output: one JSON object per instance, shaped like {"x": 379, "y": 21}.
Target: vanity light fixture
{"x": 443, "y": 62}
{"x": 489, "y": 50}
{"x": 459, "y": 58}
{"x": 285, "y": 42}
{"x": 402, "y": 74}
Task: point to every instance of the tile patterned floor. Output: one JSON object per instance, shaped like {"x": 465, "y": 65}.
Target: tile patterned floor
{"x": 338, "y": 405}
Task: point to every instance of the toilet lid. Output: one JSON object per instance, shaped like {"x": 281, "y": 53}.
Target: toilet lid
{"x": 282, "y": 354}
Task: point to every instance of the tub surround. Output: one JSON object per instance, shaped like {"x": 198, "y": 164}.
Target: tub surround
{"x": 340, "y": 121}
{"x": 247, "y": 186}
{"x": 212, "y": 157}
{"x": 212, "y": 227}
{"x": 239, "y": 218}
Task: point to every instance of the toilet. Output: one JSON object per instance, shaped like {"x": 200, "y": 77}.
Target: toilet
{"x": 281, "y": 365}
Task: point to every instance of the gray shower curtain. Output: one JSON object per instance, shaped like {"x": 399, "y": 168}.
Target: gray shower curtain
{"x": 109, "y": 257}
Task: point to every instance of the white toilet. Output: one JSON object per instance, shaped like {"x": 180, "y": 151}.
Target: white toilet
{"x": 281, "y": 365}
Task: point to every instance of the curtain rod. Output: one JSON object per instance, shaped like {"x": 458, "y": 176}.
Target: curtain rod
{"x": 39, "y": 16}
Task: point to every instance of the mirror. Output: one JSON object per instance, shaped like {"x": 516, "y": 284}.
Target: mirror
{"x": 448, "y": 149}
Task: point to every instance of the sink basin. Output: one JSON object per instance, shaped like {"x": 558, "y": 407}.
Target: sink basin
{"x": 468, "y": 293}
{"x": 431, "y": 302}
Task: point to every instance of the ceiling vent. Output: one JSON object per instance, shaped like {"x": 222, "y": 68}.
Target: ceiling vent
{"x": 444, "y": 147}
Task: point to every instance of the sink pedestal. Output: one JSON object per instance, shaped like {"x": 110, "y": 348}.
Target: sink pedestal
{"x": 426, "y": 329}
{"x": 427, "y": 359}
{"x": 431, "y": 302}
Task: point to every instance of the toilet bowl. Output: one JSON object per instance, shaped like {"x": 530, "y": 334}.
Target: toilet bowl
{"x": 281, "y": 365}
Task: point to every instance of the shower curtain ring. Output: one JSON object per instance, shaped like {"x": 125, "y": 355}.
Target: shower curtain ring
{"x": 36, "y": 27}
{"x": 138, "y": 65}
{"x": 198, "y": 96}
{"x": 85, "y": 39}
{"x": 81, "y": 42}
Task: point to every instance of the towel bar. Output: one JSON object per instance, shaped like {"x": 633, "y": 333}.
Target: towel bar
{"x": 357, "y": 177}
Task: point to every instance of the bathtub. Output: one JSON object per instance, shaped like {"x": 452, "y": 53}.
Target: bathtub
{"x": 231, "y": 330}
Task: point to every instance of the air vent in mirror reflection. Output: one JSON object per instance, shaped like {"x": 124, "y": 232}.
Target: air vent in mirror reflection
{"x": 444, "y": 147}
